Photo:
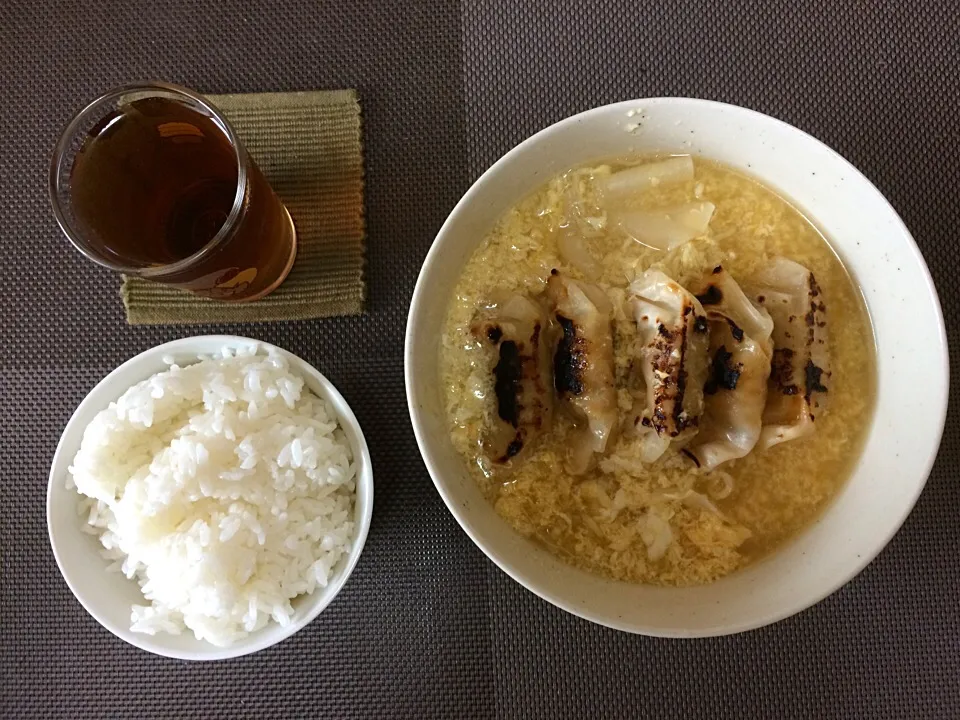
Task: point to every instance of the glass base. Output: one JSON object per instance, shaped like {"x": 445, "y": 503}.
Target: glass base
{"x": 286, "y": 270}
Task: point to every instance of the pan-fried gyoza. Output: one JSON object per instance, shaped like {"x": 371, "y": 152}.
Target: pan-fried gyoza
{"x": 636, "y": 368}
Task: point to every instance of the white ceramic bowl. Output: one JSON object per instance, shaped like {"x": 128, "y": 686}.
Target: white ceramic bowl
{"x": 912, "y": 364}
{"x": 108, "y": 596}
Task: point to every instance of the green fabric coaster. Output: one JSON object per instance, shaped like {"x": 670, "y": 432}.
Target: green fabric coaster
{"x": 308, "y": 146}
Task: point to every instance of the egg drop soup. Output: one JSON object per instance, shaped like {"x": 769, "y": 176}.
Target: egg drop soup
{"x": 657, "y": 369}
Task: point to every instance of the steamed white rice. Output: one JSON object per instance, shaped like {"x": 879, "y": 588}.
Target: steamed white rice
{"x": 225, "y": 488}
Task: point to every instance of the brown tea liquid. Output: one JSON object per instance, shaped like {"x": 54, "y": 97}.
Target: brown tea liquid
{"x": 154, "y": 183}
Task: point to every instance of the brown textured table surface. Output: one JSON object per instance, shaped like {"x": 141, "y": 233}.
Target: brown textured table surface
{"x": 427, "y": 627}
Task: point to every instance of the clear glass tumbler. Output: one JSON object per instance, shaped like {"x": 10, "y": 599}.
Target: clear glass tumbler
{"x": 151, "y": 180}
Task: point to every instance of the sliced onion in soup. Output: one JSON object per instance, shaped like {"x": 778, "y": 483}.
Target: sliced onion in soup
{"x": 573, "y": 250}
{"x": 667, "y": 228}
{"x": 643, "y": 177}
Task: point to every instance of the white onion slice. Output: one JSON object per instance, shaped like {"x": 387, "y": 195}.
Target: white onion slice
{"x": 573, "y": 250}
{"x": 667, "y": 228}
{"x": 656, "y": 535}
{"x": 643, "y": 177}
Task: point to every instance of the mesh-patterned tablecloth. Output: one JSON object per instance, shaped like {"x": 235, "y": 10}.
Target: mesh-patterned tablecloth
{"x": 426, "y": 626}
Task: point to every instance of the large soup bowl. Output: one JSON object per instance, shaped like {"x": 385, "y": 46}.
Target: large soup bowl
{"x": 912, "y": 366}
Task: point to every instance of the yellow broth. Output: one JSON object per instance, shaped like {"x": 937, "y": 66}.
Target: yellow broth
{"x": 594, "y": 520}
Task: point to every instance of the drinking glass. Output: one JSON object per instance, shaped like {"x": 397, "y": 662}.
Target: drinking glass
{"x": 151, "y": 180}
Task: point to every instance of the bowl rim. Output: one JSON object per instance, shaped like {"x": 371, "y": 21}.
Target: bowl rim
{"x": 421, "y": 297}
{"x": 100, "y": 395}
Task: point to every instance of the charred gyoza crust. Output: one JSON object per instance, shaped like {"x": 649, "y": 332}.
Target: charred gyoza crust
{"x": 724, "y": 372}
{"x": 673, "y": 335}
{"x": 800, "y": 373}
{"x": 524, "y": 402}
{"x": 735, "y": 390}
{"x": 583, "y": 370}
{"x": 816, "y": 320}
{"x": 508, "y": 373}
{"x": 569, "y": 361}
{"x": 807, "y": 332}
{"x": 669, "y": 416}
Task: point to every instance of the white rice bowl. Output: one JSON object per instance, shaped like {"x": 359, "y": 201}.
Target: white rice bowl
{"x": 225, "y": 488}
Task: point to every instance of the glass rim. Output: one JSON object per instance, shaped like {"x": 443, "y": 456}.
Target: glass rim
{"x": 59, "y": 157}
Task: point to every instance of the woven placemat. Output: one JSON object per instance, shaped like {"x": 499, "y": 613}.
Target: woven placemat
{"x": 308, "y": 146}
{"x": 427, "y": 627}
